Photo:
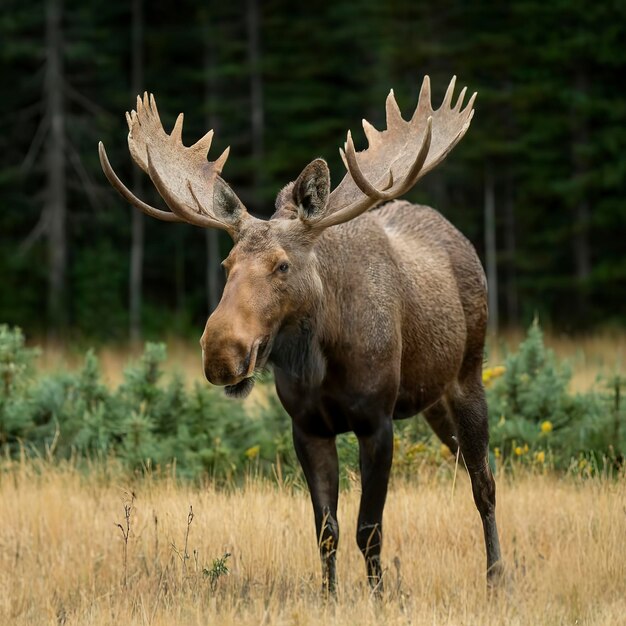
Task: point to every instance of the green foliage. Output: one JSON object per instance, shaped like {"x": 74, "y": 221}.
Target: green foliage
{"x": 217, "y": 570}
{"x": 143, "y": 423}
{"x": 153, "y": 423}
{"x": 534, "y": 416}
{"x": 550, "y": 123}
{"x": 16, "y": 373}
{"x": 16, "y": 361}
{"x": 99, "y": 279}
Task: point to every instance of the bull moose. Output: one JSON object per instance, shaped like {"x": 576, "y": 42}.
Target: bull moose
{"x": 367, "y": 316}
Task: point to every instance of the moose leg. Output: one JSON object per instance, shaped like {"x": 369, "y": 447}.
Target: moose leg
{"x": 318, "y": 457}
{"x": 470, "y": 411}
{"x": 375, "y": 456}
{"x": 438, "y": 417}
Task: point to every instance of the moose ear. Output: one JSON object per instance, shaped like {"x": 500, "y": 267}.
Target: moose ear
{"x": 311, "y": 189}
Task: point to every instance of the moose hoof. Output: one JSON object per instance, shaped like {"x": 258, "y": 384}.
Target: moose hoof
{"x": 496, "y": 577}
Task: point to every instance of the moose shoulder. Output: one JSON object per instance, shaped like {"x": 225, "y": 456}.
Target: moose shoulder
{"x": 366, "y": 315}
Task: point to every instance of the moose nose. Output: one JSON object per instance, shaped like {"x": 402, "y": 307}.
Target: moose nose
{"x": 226, "y": 361}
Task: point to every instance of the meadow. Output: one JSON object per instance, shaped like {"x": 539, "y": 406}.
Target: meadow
{"x": 132, "y": 496}
{"x": 591, "y": 354}
{"x": 248, "y": 556}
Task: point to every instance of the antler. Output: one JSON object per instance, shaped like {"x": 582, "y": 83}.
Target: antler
{"x": 189, "y": 183}
{"x": 398, "y": 156}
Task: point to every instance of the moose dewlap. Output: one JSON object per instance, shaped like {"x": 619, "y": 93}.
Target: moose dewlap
{"x": 366, "y": 316}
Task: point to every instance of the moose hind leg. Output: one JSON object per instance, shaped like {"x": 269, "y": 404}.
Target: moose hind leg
{"x": 469, "y": 409}
{"x": 318, "y": 457}
{"x": 438, "y": 418}
{"x": 375, "y": 456}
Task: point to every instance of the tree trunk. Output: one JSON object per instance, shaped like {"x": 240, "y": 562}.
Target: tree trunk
{"x": 179, "y": 273}
{"x": 256, "y": 95}
{"x": 213, "y": 275}
{"x": 490, "y": 248}
{"x": 213, "y": 282}
{"x": 582, "y": 249}
{"x": 56, "y": 196}
{"x": 137, "y": 239}
{"x": 510, "y": 244}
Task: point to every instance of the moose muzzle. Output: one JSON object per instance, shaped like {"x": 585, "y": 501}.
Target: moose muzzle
{"x": 228, "y": 356}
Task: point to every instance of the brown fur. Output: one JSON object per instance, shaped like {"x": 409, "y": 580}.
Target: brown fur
{"x": 377, "y": 319}
{"x": 366, "y": 316}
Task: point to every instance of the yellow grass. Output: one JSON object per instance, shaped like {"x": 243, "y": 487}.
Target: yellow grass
{"x": 589, "y": 354}
{"x": 183, "y": 356}
{"x": 61, "y": 553}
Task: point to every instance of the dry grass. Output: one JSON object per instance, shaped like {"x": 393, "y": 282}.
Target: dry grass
{"x": 183, "y": 356}
{"x": 61, "y": 553}
{"x": 589, "y": 355}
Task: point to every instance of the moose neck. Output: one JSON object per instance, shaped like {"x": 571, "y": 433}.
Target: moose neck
{"x": 298, "y": 346}
{"x": 298, "y": 353}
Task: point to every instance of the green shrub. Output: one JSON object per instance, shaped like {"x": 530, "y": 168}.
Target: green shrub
{"x": 153, "y": 422}
{"x": 16, "y": 375}
{"x": 535, "y": 418}
{"x": 145, "y": 423}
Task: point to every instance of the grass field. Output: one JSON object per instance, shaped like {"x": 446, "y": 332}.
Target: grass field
{"x": 590, "y": 355}
{"x": 62, "y": 537}
{"x": 62, "y": 562}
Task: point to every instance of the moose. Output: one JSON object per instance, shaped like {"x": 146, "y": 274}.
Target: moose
{"x": 367, "y": 313}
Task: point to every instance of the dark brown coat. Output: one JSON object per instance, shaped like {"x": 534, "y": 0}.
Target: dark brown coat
{"x": 366, "y": 316}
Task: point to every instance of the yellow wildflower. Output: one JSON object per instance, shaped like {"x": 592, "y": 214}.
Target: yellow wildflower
{"x": 540, "y": 456}
{"x": 415, "y": 449}
{"x": 253, "y": 452}
{"x": 490, "y": 373}
{"x": 519, "y": 451}
{"x": 525, "y": 448}
{"x": 496, "y": 452}
{"x": 546, "y": 427}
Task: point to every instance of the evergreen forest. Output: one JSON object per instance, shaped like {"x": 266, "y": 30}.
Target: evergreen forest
{"x": 537, "y": 184}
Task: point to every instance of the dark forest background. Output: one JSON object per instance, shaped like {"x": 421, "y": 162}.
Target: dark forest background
{"x": 537, "y": 184}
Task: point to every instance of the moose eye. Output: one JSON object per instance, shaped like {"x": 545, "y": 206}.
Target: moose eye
{"x": 283, "y": 267}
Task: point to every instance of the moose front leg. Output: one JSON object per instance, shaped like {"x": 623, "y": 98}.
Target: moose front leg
{"x": 318, "y": 457}
{"x": 375, "y": 456}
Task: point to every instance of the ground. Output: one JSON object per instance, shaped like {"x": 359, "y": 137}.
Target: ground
{"x": 62, "y": 557}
